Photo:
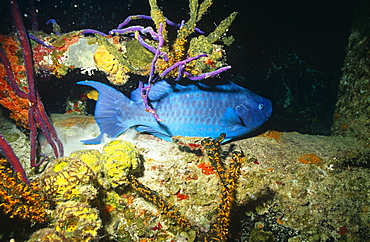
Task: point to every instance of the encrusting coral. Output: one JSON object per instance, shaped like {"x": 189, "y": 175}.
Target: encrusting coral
{"x": 105, "y": 61}
{"x": 19, "y": 200}
{"x": 17, "y": 106}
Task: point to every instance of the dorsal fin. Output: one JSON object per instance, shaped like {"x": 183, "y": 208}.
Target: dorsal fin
{"x": 158, "y": 91}
{"x": 226, "y": 87}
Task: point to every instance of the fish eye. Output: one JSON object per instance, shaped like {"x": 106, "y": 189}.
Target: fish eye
{"x": 260, "y": 106}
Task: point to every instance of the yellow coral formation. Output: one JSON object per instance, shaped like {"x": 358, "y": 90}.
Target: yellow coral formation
{"x": 117, "y": 159}
{"x": 77, "y": 221}
{"x": 46, "y": 235}
{"x": 105, "y": 61}
{"x": 68, "y": 179}
{"x": 94, "y": 95}
{"x": 19, "y": 200}
{"x": 120, "y": 158}
{"x": 70, "y": 183}
{"x": 90, "y": 157}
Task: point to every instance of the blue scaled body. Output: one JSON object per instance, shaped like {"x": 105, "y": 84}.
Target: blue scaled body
{"x": 195, "y": 110}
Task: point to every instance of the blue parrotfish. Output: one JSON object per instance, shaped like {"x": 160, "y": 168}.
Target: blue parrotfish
{"x": 193, "y": 110}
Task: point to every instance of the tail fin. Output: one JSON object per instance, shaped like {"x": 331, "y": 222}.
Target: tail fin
{"x": 107, "y": 111}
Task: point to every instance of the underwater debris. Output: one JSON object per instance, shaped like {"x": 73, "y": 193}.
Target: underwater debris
{"x": 310, "y": 159}
{"x": 19, "y": 200}
{"x": 272, "y": 134}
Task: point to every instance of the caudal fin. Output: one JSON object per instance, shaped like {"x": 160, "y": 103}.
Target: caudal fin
{"x": 107, "y": 111}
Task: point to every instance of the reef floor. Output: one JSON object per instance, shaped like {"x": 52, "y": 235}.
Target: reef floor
{"x": 293, "y": 187}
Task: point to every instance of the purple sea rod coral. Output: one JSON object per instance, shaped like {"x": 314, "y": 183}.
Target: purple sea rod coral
{"x": 36, "y": 113}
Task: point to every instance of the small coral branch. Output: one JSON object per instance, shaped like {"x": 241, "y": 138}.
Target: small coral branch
{"x": 228, "y": 179}
{"x": 136, "y": 17}
{"x": 213, "y": 149}
{"x": 33, "y": 37}
{"x": 154, "y": 198}
{"x": 206, "y": 75}
{"x": 13, "y": 159}
{"x": 93, "y": 31}
{"x": 145, "y": 89}
{"x": 56, "y": 27}
{"x": 180, "y": 63}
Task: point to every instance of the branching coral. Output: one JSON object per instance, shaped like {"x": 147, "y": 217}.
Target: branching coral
{"x": 228, "y": 180}
{"x": 19, "y": 200}
{"x": 154, "y": 198}
{"x": 186, "y": 46}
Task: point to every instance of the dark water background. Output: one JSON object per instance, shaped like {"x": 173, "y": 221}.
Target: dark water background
{"x": 288, "y": 51}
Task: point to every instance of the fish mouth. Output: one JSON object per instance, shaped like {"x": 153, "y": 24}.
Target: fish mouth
{"x": 268, "y": 117}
